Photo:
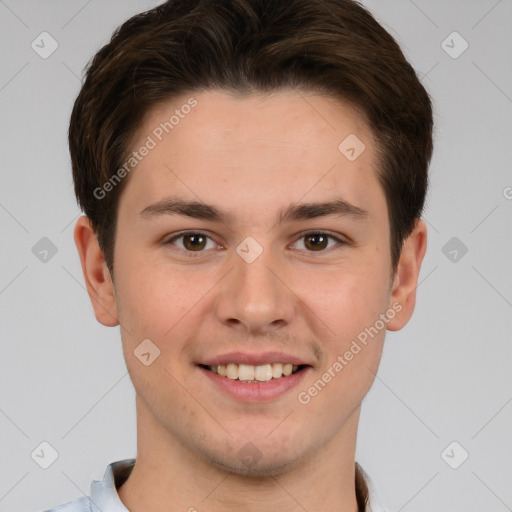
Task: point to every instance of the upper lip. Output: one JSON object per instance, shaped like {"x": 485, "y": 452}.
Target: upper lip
{"x": 258, "y": 359}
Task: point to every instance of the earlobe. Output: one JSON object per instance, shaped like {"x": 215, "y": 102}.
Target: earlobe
{"x": 96, "y": 274}
{"x": 405, "y": 282}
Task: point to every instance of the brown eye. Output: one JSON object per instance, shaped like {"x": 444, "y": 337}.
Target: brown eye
{"x": 191, "y": 242}
{"x": 194, "y": 242}
{"x": 318, "y": 241}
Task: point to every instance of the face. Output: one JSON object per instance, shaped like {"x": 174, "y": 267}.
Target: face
{"x": 256, "y": 278}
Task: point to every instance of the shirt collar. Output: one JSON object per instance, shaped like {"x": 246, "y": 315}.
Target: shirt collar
{"x": 104, "y": 496}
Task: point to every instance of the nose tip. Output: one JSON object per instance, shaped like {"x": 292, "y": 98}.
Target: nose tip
{"x": 254, "y": 296}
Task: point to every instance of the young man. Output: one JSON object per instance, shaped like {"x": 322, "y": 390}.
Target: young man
{"x": 253, "y": 174}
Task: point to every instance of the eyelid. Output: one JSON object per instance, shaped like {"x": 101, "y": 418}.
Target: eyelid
{"x": 337, "y": 236}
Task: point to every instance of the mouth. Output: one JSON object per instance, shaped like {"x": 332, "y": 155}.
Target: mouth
{"x": 255, "y": 377}
{"x": 252, "y": 374}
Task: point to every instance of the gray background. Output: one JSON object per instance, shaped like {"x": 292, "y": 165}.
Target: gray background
{"x": 445, "y": 377}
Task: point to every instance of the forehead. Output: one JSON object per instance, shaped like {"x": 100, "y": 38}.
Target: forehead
{"x": 288, "y": 144}
{"x": 285, "y": 117}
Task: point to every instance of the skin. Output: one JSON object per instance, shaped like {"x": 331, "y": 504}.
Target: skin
{"x": 252, "y": 157}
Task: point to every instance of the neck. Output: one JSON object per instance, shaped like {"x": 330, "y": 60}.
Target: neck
{"x": 168, "y": 477}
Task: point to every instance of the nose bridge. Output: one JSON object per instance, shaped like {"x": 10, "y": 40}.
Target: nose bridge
{"x": 253, "y": 294}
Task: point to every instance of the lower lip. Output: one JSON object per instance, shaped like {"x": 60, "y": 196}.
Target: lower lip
{"x": 256, "y": 392}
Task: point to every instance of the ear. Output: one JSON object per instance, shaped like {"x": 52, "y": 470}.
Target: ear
{"x": 405, "y": 282}
{"x": 97, "y": 276}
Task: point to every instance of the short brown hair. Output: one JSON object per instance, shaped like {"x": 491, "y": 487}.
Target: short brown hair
{"x": 332, "y": 47}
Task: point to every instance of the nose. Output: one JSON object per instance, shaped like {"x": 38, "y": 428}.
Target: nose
{"x": 255, "y": 297}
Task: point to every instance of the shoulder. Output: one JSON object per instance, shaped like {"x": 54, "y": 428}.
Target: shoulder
{"x": 82, "y": 504}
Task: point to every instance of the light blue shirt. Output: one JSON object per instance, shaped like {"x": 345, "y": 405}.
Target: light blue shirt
{"x": 104, "y": 496}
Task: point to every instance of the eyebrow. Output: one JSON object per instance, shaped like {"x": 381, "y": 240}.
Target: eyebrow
{"x": 302, "y": 211}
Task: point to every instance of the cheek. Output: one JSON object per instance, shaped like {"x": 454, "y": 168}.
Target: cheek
{"x": 347, "y": 299}
{"x": 353, "y": 345}
{"x": 151, "y": 299}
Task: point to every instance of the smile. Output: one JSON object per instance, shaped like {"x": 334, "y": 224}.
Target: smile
{"x": 254, "y": 374}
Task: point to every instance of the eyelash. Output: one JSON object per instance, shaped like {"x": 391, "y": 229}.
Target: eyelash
{"x": 200, "y": 253}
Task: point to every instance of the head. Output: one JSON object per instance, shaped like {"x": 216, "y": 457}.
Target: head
{"x": 250, "y": 109}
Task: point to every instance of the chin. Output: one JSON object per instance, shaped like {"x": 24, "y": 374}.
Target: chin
{"x": 252, "y": 468}
{"x": 249, "y": 458}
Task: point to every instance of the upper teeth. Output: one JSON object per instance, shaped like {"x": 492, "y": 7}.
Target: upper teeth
{"x": 248, "y": 372}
